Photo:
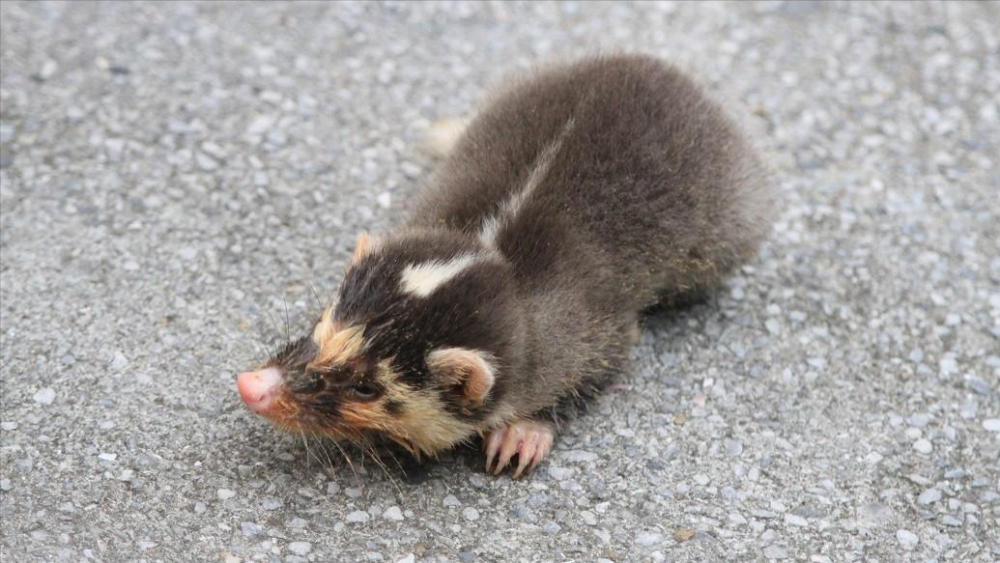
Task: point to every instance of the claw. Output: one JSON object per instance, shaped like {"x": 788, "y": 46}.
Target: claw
{"x": 526, "y": 454}
{"x": 543, "y": 450}
{"x": 511, "y": 443}
{"x": 531, "y": 441}
{"x": 493, "y": 446}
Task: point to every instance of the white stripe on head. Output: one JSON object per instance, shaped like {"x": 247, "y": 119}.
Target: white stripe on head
{"x": 423, "y": 279}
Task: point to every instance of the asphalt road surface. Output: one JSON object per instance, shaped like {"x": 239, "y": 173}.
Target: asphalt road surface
{"x": 179, "y": 181}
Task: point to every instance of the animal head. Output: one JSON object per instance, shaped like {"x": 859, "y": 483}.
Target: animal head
{"x": 413, "y": 349}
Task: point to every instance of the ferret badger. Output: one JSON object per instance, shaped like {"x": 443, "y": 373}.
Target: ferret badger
{"x": 580, "y": 196}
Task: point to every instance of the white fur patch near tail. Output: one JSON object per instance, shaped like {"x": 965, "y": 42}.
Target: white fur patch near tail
{"x": 443, "y": 135}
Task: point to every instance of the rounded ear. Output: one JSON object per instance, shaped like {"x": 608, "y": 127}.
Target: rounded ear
{"x": 364, "y": 246}
{"x": 473, "y": 370}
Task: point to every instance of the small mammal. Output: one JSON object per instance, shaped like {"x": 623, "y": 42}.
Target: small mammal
{"x": 580, "y": 196}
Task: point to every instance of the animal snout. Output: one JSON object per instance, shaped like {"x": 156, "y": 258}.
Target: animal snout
{"x": 259, "y": 389}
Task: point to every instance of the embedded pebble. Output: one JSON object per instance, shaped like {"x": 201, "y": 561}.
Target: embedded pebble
{"x": 949, "y": 520}
{"x": 300, "y": 547}
{"x": 647, "y": 539}
{"x": 119, "y": 361}
{"x": 955, "y": 474}
{"x": 559, "y": 473}
{"x": 451, "y": 500}
{"x": 930, "y": 496}
{"x": 733, "y": 448}
{"x": 393, "y": 513}
{"x": 874, "y": 514}
{"x": 948, "y": 366}
{"x": 992, "y": 424}
{"x": 206, "y": 162}
{"x": 775, "y": 552}
{"x": 470, "y": 514}
{"x": 978, "y": 386}
{"x": 45, "y": 396}
{"x": 357, "y": 517}
{"x": 923, "y": 446}
{"x": 728, "y": 493}
{"x": 260, "y": 124}
{"x": 225, "y": 494}
{"x": 907, "y": 539}
{"x": 578, "y": 456}
{"x": 684, "y": 534}
{"x": 793, "y": 520}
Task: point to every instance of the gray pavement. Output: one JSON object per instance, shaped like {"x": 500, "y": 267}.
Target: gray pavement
{"x": 178, "y": 178}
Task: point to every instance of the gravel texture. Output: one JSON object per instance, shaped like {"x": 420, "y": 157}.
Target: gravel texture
{"x": 179, "y": 181}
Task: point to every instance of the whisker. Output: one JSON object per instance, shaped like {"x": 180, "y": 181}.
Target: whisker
{"x": 358, "y": 446}
{"x": 305, "y": 442}
{"x": 395, "y": 460}
{"x": 326, "y": 453}
{"x": 321, "y": 443}
{"x": 375, "y": 458}
{"x": 272, "y": 321}
{"x": 288, "y": 329}
{"x": 319, "y": 303}
{"x": 346, "y": 458}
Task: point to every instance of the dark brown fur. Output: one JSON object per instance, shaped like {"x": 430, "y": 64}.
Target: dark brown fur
{"x": 654, "y": 193}
{"x": 641, "y": 189}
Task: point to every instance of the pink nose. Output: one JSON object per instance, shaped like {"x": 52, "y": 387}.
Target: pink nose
{"x": 259, "y": 389}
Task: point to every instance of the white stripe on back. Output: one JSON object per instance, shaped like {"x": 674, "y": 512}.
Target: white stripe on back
{"x": 491, "y": 226}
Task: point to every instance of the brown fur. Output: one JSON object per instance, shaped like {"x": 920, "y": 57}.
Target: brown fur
{"x": 591, "y": 191}
{"x": 363, "y": 247}
{"x": 470, "y": 369}
{"x": 336, "y": 345}
{"x": 652, "y": 193}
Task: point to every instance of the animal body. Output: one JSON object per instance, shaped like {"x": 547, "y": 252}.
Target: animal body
{"x": 581, "y": 195}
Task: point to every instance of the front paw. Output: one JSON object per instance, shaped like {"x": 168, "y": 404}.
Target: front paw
{"x": 531, "y": 440}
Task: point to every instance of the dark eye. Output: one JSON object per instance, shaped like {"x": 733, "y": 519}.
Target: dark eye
{"x": 310, "y": 382}
{"x": 364, "y": 391}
